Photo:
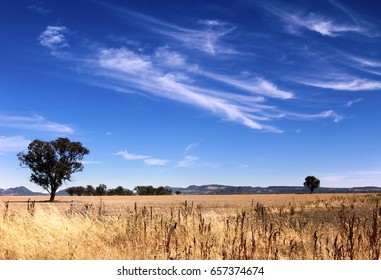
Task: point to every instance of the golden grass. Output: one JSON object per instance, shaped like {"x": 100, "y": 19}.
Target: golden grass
{"x": 192, "y": 227}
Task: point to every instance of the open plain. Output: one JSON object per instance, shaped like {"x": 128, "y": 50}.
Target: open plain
{"x": 316, "y": 226}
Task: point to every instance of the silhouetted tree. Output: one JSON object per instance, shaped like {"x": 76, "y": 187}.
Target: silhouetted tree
{"x": 90, "y": 190}
{"x": 52, "y": 163}
{"x": 145, "y": 190}
{"x": 80, "y": 190}
{"x": 71, "y": 191}
{"x": 312, "y": 183}
{"x": 101, "y": 190}
{"x": 163, "y": 191}
{"x": 150, "y": 190}
{"x": 122, "y": 191}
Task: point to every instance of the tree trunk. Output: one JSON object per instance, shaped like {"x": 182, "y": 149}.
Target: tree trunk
{"x": 52, "y": 195}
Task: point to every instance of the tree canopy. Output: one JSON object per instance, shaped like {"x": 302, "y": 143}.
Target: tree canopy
{"x": 312, "y": 183}
{"x": 52, "y": 163}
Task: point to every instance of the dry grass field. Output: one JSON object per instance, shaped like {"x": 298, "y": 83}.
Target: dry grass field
{"x": 323, "y": 226}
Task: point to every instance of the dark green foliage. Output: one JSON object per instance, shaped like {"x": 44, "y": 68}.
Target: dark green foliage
{"x": 312, "y": 183}
{"x": 145, "y": 190}
{"x": 52, "y": 163}
{"x": 101, "y": 190}
{"x": 80, "y": 190}
{"x": 90, "y": 190}
{"x": 71, "y": 191}
{"x": 150, "y": 190}
{"x": 122, "y": 191}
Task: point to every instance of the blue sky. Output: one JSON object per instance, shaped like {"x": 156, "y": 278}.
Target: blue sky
{"x": 195, "y": 92}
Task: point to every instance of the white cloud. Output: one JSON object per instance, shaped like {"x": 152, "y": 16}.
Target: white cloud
{"x": 13, "y": 143}
{"x": 39, "y": 8}
{"x": 350, "y": 103}
{"x": 209, "y": 38}
{"x": 134, "y": 72}
{"x": 313, "y": 22}
{"x": 188, "y": 161}
{"x": 53, "y": 37}
{"x": 124, "y": 60}
{"x": 365, "y": 61}
{"x": 36, "y": 122}
{"x": 329, "y": 114}
{"x": 128, "y": 156}
{"x": 194, "y": 162}
{"x": 155, "y": 161}
{"x": 169, "y": 58}
{"x": 326, "y": 27}
{"x": 167, "y": 74}
{"x": 148, "y": 160}
{"x": 347, "y": 84}
{"x": 255, "y": 85}
{"x": 191, "y": 147}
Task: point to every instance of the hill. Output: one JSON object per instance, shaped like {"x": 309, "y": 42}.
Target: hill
{"x": 18, "y": 191}
{"x": 215, "y": 189}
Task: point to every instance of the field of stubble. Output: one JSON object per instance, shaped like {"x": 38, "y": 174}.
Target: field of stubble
{"x": 323, "y": 226}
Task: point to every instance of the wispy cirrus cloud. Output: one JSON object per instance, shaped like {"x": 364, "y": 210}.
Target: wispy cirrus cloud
{"x": 245, "y": 105}
{"x": 53, "y": 37}
{"x": 148, "y": 160}
{"x": 350, "y": 103}
{"x": 188, "y": 161}
{"x": 37, "y": 123}
{"x": 162, "y": 72}
{"x": 254, "y": 85}
{"x": 207, "y": 36}
{"x": 326, "y": 26}
{"x": 191, "y": 147}
{"x": 133, "y": 70}
{"x": 347, "y": 84}
{"x": 39, "y": 7}
{"x": 13, "y": 143}
{"x": 365, "y": 64}
{"x": 329, "y": 114}
{"x": 365, "y": 61}
{"x": 129, "y": 156}
{"x": 155, "y": 161}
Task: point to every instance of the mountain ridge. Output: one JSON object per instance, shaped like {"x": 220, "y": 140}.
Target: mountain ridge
{"x": 218, "y": 189}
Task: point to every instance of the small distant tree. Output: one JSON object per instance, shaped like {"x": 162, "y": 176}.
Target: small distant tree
{"x": 122, "y": 191}
{"x": 119, "y": 190}
{"x": 101, "y": 190}
{"x": 90, "y": 190}
{"x": 163, "y": 191}
{"x": 71, "y": 191}
{"x": 52, "y": 163}
{"x": 312, "y": 183}
{"x": 80, "y": 190}
{"x": 177, "y": 192}
{"x": 145, "y": 190}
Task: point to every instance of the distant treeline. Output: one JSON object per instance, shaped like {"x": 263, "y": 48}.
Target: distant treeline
{"x": 102, "y": 190}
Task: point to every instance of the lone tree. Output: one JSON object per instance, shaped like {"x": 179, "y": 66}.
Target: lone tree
{"x": 52, "y": 163}
{"x": 312, "y": 183}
